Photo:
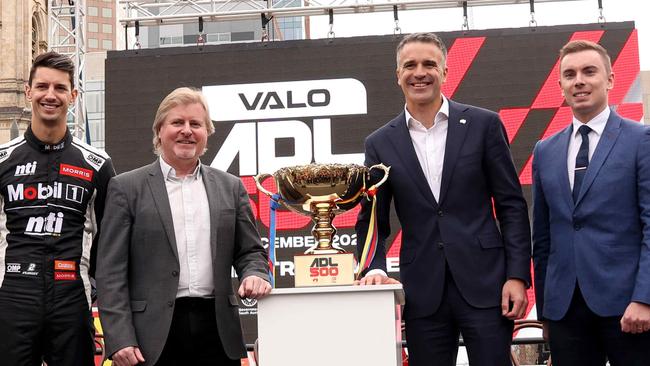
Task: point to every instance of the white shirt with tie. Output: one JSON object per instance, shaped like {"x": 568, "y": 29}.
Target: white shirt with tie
{"x": 597, "y": 125}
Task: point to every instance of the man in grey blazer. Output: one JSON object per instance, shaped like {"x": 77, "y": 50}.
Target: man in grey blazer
{"x": 173, "y": 230}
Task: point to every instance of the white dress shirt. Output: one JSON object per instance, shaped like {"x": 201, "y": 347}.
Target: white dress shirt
{"x": 429, "y": 144}
{"x": 597, "y": 125}
{"x": 188, "y": 201}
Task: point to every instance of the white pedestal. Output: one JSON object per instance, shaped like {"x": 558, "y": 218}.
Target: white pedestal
{"x": 325, "y": 326}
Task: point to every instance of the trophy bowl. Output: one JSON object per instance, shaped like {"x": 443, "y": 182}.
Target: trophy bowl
{"x": 322, "y": 191}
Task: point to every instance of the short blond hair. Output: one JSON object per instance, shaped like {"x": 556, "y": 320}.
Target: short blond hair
{"x": 583, "y": 45}
{"x": 180, "y": 96}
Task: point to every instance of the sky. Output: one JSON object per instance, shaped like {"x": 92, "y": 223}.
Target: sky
{"x": 489, "y": 17}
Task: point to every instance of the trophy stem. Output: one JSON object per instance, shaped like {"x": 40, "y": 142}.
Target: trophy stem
{"x": 323, "y": 229}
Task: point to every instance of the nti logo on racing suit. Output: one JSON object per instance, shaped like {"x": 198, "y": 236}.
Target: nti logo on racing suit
{"x": 50, "y": 225}
{"x": 51, "y": 201}
{"x": 27, "y": 169}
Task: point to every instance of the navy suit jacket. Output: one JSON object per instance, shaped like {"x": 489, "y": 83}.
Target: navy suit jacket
{"x": 460, "y": 231}
{"x": 602, "y": 241}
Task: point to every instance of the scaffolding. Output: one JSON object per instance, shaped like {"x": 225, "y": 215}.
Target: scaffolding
{"x": 67, "y": 22}
{"x": 158, "y": 12}
{"x": 66, "y": 35}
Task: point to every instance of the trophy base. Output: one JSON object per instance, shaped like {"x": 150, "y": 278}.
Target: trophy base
{"x": 324, "y": 269}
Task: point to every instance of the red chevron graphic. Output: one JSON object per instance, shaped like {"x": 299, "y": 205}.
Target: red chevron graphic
{"x": 251, "y": 189}
{"x": 550, "y": 95}
{"x": 512, "y": 120}
{"x": 626, "y": 71}
{"x": 393, "y": 252}
{"x": 348, "y": 219}
{"x": 558, "y": 122}
{"x": 459, "y": 58}
{"x": 284, "y": 220}
{"x": 633, "y": 111}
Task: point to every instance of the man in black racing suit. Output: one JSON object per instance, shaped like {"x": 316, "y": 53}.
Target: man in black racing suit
{"x": 52, "y": 197}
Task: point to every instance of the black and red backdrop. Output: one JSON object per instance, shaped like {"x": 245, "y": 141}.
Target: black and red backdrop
{"x": 293, "y": 102}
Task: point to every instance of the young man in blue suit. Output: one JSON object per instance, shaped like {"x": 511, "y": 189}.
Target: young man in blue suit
{"x": 451, "y": 168}
{"x": 591, "y": 223}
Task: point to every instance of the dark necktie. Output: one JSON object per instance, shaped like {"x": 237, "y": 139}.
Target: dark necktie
{"x": 582, "y": 161}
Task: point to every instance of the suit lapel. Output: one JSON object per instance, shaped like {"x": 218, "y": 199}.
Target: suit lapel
{"x": 607, "y": 140}
{"x": 156, "y": 183}
{"x": 214, "y": 197}
{"x": 561, "y": 165}
{"x": 456, "y": 132}
{"x": 402, "y": 143}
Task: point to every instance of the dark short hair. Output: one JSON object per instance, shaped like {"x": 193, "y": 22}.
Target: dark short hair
{"x": 53, "y": 60}
{"x": 582, "y": 45}
{"x": 427, "y": 37}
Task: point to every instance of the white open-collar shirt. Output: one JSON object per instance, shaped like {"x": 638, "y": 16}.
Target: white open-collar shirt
{"x": 429, "y": 144}
{"x": 188, "y": 201}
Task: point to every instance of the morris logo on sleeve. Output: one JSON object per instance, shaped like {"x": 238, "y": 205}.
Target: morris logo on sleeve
{"x": 65, "y": 276}
{"x": 74, "y": 171}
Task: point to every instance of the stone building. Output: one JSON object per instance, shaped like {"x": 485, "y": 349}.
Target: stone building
{"x": 23, "y": 35}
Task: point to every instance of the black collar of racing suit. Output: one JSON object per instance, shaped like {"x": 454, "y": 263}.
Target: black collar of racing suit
{"x": 44, "y": 147}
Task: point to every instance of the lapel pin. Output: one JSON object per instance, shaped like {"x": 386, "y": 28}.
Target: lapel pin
{"x": 462, "y": 121}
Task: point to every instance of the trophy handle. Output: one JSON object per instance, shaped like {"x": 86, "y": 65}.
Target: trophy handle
{"x": 383, "y": 167}
{"x": 258, "y": 179}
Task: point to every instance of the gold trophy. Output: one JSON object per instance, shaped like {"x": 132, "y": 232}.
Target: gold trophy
{"x": 322, "y": 191}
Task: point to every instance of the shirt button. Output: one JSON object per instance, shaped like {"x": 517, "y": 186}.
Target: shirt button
{"x": 577, "y": 227}
{"x": 170, "y": 303}
{"x": 174, "y": 273}
{"x": 440, "y": 213}
{"x": 441, "y": 245}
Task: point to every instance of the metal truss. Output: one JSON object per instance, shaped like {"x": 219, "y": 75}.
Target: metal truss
{"x": 66, "y": 35}
{"x": 158, "y": 12}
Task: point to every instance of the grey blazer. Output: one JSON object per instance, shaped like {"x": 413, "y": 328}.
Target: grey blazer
{"x": 137, "y": 265}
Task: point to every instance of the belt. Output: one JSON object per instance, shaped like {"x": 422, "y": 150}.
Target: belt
{"x": 194, "y": 303}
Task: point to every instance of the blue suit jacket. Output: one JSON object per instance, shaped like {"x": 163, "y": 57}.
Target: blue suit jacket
{"x": 602, "y": 241}
{"x": 460, "y": 229}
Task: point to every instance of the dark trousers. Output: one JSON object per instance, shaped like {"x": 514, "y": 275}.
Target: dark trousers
{"x": 54, "y": 325}
{"x": 584, "y": 338}
{"x": 193, "y": 338}
{"x": 433, "y": 340}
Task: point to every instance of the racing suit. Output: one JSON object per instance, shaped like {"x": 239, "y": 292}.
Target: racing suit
{"x": 51, "y": 204}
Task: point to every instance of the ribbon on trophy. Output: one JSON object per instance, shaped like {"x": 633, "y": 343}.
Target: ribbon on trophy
{"x": 273, "y": 205}
{"x": 372, "y": 237}
{"x": 322, "y": 191}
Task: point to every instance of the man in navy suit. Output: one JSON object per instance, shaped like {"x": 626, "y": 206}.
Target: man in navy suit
{"x": 451, "y": 170}
{"x": 591, "y": 224}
